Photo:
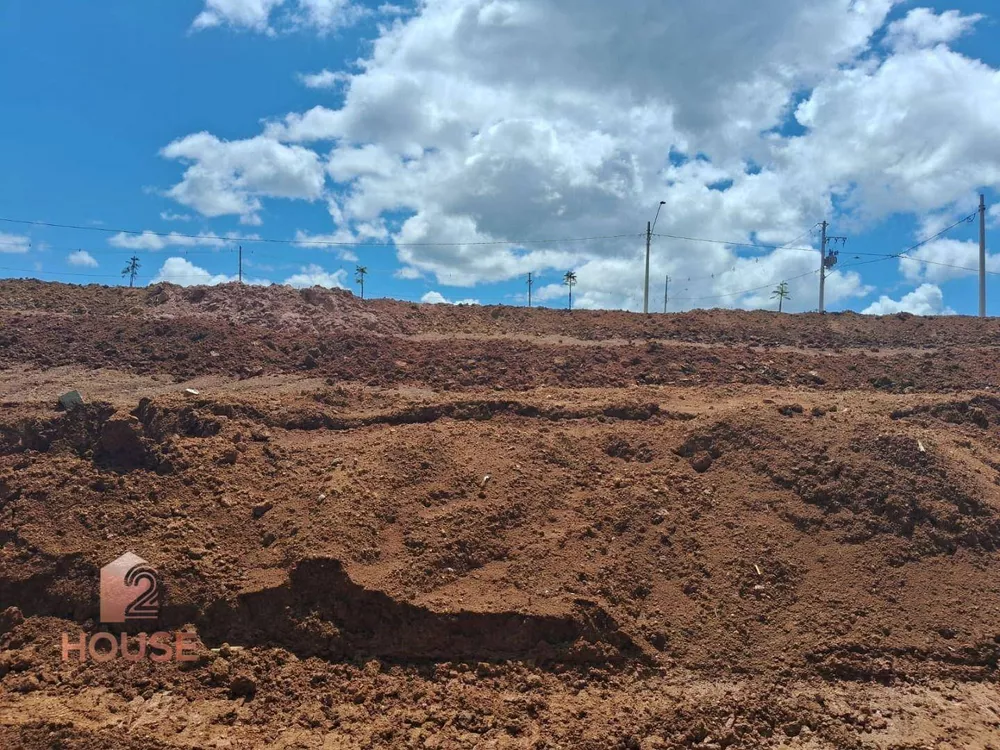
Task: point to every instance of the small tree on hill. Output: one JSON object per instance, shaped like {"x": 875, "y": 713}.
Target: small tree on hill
{"x": 570, "y": 280}
{"x": 780, "y": 293}
{"x": 131, "y": 270}
{"x": 361, "y": 272}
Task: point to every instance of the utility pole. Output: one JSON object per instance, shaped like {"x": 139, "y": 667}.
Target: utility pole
{"x": 982, "y": 255}
{"x": 827, "y": 260}
{"x": 645, "y": 294}
{"x": 666, "y": 294}
{"x": 822, "y": 271}
{"x": 530, "y": 282}
{"x": 241, "y": 264}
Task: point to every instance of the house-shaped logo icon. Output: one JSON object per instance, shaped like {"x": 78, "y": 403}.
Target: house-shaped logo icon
{"x": 130, "y": 590}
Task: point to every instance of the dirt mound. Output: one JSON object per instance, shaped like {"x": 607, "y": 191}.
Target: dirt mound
{"x": 322, "y": 311}
{"x": 384, "y": 536}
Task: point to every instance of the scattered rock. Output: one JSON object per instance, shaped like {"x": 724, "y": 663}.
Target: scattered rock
{"x": 261, "y": 508}
{"x": 10, "y": 618}
{"x": 791, "y": 410}
{"x": 243, "y": 686}
{"x": 229, "y": 457}
{"x": 68, "y": 400}
{"x": 623, "y": 449}
{"x": 701, "y": 462}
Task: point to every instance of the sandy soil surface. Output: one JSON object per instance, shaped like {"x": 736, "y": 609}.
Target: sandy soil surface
{"x": 400, "y": 526}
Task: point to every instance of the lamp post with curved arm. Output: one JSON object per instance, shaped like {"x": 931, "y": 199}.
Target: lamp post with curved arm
{"x": 649, "y": 238}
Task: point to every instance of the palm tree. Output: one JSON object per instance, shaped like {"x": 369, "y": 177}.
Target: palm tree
{"x": 131, "y": 270}
{"x": 570, "y": 280}
{"x": 780, "y": 293}
{"x": 359, "y": 278}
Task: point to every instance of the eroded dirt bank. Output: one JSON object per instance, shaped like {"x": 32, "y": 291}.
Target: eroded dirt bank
{"x": 717, "y": 529}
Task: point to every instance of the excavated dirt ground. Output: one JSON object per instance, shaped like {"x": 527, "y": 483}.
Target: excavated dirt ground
{"x": 403, "y": 526}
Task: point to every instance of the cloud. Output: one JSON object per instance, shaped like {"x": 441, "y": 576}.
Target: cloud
{"x": 149, "y": 240}
{"x": 325, "y": 79}
{"x": 250, "y": 14}
{"x": 322, "y": 16}
{"x": 314, "y": 275}
{"x": 511, "y": 122}
{"x": 230, "y": 177}
{"x": 171, "y": 216}
{"x": 927, "y": 299}
{"x": 922, "y": 27}
{"x": 947, "y": 259}
{"x": 436, "y": 298}
{"x": 82, "y": 258}
{"x": 905, "y": 152}
{"x": 182, "y": 272}
{"x": 14, "y": 243}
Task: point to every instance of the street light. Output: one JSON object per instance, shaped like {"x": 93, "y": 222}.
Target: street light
{"x": 649, "y": 239}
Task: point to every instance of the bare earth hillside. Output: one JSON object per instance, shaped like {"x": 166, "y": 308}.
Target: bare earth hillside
{"x": 408, "y": 526}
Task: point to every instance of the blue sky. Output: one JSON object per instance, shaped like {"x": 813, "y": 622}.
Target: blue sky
{"x": 441, "y": 144}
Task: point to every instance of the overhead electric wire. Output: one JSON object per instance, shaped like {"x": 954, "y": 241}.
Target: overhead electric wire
{"x": 737, "y": 244}
{"x": 788, "y": 246}
{"x": 301, "y": 242}
{"x": 231, "y": 241}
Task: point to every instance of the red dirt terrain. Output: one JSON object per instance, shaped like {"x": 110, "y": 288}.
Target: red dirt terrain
{"x": 390, "y": 525}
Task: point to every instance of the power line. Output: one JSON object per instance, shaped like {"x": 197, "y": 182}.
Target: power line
{"x": 744, "y": 291}
{"x": 788, "y": 246}
{"x": 738, "y": 244}
{"x": 880, "y": 259}
{"x": 322, "y": 243}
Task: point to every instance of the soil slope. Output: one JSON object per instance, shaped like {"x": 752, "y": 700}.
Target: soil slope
{"x": 393, "y": 525}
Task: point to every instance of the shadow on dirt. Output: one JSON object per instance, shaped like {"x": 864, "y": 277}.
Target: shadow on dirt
{"x": 321, "y": 612}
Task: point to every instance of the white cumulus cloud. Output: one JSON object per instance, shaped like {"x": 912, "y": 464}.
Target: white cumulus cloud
{"x": 922, "y": 27}
{"x": 183, "y": 272}
{"x": 926, "y": 299}
{"x": 149, "y": 240}
{"x": 325, "y": 79}
{"x": 436, "y": 298}
{"x": 264, "y": 15}
{"x": 315, "y": 275}
{"x": 230, "y": 177}
{"x": 82, "y": 259}
{"x": 946, "y": 259}
{"x": 14, "y": 243}
{"x": 472, "y": 122}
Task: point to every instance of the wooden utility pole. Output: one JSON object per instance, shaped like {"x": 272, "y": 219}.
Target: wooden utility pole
{"x": 645, "y": 293}
{"x": 666, "y": 294}
{"x": 982, "y": 255}
{"x": 827, "y": 260}
{"x": 241, "y": 264}
{"x": 822, "y": 271}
